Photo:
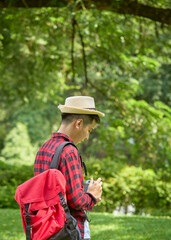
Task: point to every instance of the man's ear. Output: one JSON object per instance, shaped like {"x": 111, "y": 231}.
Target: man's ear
{"x": 78, "y": 123}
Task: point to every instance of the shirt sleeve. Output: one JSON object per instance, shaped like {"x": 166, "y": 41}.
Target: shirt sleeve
{"x": 70, "y": 166}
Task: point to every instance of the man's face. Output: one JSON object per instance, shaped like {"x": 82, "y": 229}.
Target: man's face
{"x": 84, "y": 131}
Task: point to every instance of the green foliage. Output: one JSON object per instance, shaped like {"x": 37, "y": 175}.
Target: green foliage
{"x": 128, "y": 66}
{"x": 10, "y": 177}
{"x": 138, "y": 134}
{"x": 39, "y": 120}
{"x": 135, "y": 186}
{"x": 123, "y": 186}
{"x": 29, "y": 55}
{"x": 104, "y": 168}
{"x": 18, "y": 148}
{"x": 156, "y": 85}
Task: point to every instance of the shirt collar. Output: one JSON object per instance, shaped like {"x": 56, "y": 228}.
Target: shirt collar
{"x": 58, "y": 135}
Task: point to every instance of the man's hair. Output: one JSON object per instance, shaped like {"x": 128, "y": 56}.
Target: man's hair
{"x": 87, "y": 118}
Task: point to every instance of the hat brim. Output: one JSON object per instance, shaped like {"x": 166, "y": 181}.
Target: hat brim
{"x": 74, "y": 110}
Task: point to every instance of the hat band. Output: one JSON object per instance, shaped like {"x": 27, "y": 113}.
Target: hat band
{"x": 90, "y": 108}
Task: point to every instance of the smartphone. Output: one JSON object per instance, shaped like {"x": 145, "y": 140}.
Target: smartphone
{"x": 86, "y": 185}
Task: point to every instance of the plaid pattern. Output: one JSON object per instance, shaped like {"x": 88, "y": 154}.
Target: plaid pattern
{"x": 70, "y": 166}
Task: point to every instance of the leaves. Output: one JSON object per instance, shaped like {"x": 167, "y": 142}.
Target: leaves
{"x": 128, "y": 66}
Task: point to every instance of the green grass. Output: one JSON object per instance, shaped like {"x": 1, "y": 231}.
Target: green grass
{"x": 104, "y": 226}
{"x": 108, "y": 227}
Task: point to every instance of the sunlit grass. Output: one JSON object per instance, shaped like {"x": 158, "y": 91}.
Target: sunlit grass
{"x": 11, "y": 225}
{"x": 104, "y": 226}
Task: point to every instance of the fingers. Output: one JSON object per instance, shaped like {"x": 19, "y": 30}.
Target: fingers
{"x": 91, "y": 181}
{"x": 95, "y": 188}
{"x": 99, "y": 184}
{"x": 99, "y": 180}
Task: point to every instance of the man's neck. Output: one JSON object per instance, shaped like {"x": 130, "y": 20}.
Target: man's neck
{"x": 65, "y": 129}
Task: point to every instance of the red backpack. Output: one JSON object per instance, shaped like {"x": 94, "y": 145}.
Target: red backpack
{"x": 42, "y": 199}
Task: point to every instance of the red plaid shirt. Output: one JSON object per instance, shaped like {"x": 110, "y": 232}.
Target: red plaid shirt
{"x": 70, "y": 166}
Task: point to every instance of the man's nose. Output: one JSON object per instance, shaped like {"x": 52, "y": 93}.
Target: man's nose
{"x": 87, "y": 137}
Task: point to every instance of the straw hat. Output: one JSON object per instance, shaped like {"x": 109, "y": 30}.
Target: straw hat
{"x": 80, "y": 105}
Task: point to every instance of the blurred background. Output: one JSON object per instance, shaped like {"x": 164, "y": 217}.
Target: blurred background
{"x": 123, "y": 61}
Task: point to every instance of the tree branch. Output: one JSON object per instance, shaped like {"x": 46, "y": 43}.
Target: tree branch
{"x": 72, "y": 49}
{"x": 83, "y": 54}
{"x": 132, "y": 7}
{"x": 25, "y": 3}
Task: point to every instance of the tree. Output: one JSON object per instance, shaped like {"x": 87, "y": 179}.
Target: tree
{"x": 47, "y": 54}
{"x": 36, "y": 75}
{"x": 157, "y": 85}
{"x": 18, "y": 149}
{"x": 136, "y": 8}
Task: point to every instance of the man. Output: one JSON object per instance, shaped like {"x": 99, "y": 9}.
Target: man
{"x": 79, "y": 118}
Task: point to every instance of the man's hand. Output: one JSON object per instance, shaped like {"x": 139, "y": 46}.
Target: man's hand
{"x": 95, "y": 188}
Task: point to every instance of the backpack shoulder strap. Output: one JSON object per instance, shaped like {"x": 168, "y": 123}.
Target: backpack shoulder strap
{"x": 56, "y": 157}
